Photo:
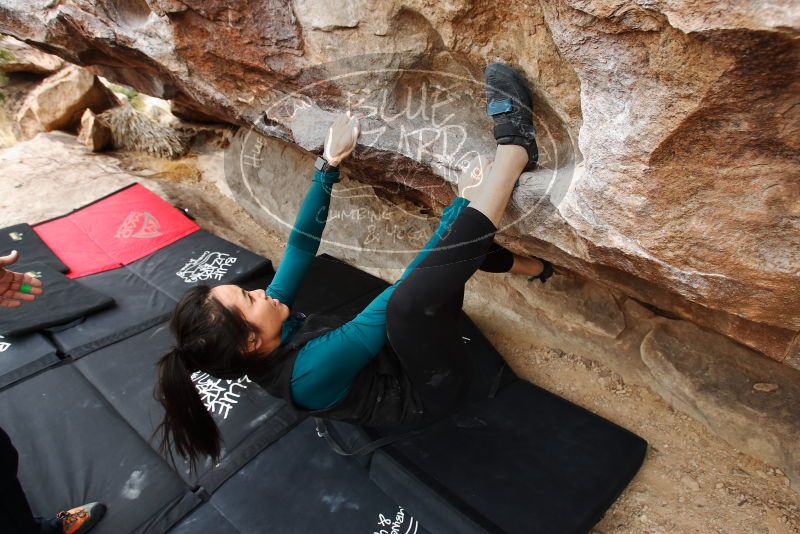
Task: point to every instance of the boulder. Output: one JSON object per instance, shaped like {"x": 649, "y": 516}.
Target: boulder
{"x": 751, "y": 402}
{"x": 25, "y": 58}
{"x": 93, "y": 134}
{"x": 668, "y": 131}
{"x": 60, "y": 100}
{"x": 7, "y": 137}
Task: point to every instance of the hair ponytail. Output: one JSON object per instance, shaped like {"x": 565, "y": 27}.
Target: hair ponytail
{"x": 210, "y": 338}
{"x": 187, "y": 425}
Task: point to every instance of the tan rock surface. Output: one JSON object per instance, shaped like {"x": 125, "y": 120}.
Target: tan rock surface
{"x": 751, "y": 402}
{"x": 28, "y": 59}
{"x": 7, "y": 137}
{"x": 682, "y": 119}
{"x": 93, "y": 134}
{"x": 59, "y": 101}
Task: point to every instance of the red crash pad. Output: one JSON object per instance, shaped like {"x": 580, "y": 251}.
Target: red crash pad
{"x": 114, "y": 231}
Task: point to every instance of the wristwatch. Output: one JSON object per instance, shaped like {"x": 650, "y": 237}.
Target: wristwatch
{"x": 322, "y": 165}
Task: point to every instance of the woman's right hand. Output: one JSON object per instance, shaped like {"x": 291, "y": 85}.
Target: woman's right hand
{"x": 342, "y": 138}
{"x": 16, "y": 288}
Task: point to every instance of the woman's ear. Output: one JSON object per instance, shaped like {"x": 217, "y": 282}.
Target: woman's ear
{"x": 253, "y": 342}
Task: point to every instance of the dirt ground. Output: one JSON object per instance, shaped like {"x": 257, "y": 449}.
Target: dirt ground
{"x": 691, "y": 480}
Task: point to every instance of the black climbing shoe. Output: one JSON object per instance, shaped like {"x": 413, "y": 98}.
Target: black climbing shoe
{"x": 508, "y": 102}
{"x": 546, "y": 273}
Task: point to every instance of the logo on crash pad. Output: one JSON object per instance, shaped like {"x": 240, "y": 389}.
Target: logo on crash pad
{"x": 140, "y": 225}
{"x": 219, "y": 396}
{"x": 209, "y": 266}
{"x": 16, "y": 236}
{"x": 400, "y": 523}
{"x": 4, "y": 346}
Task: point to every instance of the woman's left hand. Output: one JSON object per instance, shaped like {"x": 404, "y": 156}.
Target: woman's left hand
{"x": 342, "y": 138}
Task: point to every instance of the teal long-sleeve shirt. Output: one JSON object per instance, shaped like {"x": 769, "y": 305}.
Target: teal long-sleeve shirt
{"x": 326, "y": 366}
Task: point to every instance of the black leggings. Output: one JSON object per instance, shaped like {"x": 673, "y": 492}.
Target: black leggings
{"x": 497, "y": 260}
{"x": 422, "y": 312}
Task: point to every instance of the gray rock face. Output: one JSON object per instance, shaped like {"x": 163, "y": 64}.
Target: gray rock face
{"x": 270, "y": 178}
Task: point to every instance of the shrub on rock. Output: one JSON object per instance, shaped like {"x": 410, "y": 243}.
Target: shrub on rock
{"x": 135, "y": 131}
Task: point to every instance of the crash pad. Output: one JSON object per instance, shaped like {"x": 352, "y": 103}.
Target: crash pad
{"x": 114, "y": 231}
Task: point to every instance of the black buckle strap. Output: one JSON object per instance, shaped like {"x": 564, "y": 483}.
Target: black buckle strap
{"x": 322, "y": 431}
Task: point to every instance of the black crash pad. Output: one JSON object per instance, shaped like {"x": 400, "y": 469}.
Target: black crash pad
{"x": 73, "y": 448}
{"x": 63, "y": 300}
{"x": 31, "y": 248}
{"x": 525, "y": 461}
{"x": 299, "y": 485}
{"x": 331, "y": 283}
{"x": 199, "y": 258}
{"x": 249, "y": 419}
{"x": 206, "y": 518}
{"x": 137, "y": 306}
{"x": 22, "y": 356}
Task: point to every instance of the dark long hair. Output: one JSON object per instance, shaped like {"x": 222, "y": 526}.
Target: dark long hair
{"x": 209, "y": 338}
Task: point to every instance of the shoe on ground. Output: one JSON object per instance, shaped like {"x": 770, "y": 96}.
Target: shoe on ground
{"x": 81, "y": 519}
{"x": 509, "y": 103}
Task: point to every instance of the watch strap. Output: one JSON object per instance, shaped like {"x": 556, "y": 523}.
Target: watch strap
{"x": 322, "y": 165}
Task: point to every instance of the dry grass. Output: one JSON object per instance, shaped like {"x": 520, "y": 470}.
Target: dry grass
{"x": 134, "y": 131}
{"x": 182, "y": 170}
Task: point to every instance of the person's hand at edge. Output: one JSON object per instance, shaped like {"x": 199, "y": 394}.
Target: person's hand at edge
{"x": 342, "y": 138}
{"x": 16, "y": 288}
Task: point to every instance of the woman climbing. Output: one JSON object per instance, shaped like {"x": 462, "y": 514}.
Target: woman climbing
{"x": 347, "y": 370}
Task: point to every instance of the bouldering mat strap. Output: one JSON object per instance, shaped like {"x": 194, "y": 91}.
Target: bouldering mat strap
{"x": 322, "y": 431}
{"x": 498, "y": 380}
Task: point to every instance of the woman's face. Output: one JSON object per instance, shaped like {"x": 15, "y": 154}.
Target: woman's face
{"x": 266, "y": 313}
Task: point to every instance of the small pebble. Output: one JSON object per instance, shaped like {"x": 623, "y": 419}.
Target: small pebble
{"x": 690, "y": 483}
{"x": 765, "y": 386}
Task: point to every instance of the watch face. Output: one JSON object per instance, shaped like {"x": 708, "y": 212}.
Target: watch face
{"x": 323, "y": 165}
